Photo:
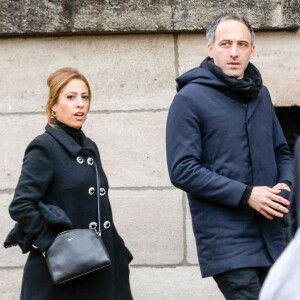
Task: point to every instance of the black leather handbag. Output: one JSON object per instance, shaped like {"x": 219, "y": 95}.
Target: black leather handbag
{"x": 75, "y": 253}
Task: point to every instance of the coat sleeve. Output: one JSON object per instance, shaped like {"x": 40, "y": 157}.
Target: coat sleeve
{"x": 283, "y": 156}
{"x": 184, "y": 158}
{"x": 293, "y": 219}
{"x": 294, "y": 199}
{"x": 35, "y": 178}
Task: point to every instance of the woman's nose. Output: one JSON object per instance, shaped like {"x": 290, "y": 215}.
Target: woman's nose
{"x": 79, "y": 102}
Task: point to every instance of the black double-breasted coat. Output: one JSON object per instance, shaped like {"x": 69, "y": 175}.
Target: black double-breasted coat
{"x": 59, "y": 171}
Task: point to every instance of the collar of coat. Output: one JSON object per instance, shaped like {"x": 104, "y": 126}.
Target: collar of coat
{"x": 68, "y": 143}
{"x": 205, "y": 77}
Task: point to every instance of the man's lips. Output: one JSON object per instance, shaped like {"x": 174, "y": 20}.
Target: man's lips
{"x": 234, "y": 64}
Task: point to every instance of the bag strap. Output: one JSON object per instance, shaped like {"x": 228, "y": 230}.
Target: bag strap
{"x": 98, "y": 199}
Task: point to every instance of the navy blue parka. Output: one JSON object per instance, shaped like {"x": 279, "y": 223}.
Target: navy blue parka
{"x": 216, "y": 147}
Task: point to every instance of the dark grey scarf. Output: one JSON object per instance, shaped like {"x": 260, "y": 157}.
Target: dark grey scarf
{"x": 241, "y": 90}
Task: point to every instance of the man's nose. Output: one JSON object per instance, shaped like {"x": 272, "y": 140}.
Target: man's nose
{"x": 234, "y": 51}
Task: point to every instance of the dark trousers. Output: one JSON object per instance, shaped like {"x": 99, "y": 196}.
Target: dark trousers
{"x": 241, "y": 284}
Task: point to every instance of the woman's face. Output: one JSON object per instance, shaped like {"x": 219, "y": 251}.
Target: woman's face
{"x": 73, "y": 104}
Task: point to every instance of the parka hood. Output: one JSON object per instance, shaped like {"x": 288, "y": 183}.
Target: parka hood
{"x": 208, "y": 73}
{"x": 198, "y": 75}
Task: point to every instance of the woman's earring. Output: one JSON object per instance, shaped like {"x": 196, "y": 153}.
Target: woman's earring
{"x": 53, "y": 114}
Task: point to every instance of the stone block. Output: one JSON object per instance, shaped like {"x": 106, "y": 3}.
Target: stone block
{"x": 125, "y": 72}
{"x": 191, "y": 51}
{"x": 195, "y": 15}
{"x": 172, "y": 284}
{"x": 34, "y": 16}
{"x": 280, "y": 75}
{"x": 19, "y": 131}
{"x": 277, "y": 58}
{"x": 150, "y": 222}
{"x": 146, "y": 284}
{"x": 191, "y": 249}
{"x": 291, "y": 12}
{"x": 107, "y": 16}
{"x": 132, "y": 146}
{"x": 9, "y": 257}
{"x": 10, "y": 283}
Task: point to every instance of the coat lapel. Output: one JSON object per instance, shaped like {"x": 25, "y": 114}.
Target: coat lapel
{"x": 68, "y": 143}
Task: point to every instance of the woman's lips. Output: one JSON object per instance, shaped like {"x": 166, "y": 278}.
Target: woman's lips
{"x": 79, "y": 116}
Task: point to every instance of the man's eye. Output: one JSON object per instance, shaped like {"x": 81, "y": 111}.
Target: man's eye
{"x": 243, "y": 44}
{"x": 224, "y": 44}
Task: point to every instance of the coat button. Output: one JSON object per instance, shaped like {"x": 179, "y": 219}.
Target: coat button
{"x": 90, "y": 161}
{"x": 91, "y": 190}
{"x": 102, "y": 191}
{"x": 79, "y": 160}
{"x": 106, "y": 224}
{"x": 93, "y": 225}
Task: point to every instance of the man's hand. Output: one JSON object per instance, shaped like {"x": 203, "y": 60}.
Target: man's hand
{"x": 266, "y": 201}
{"x": 282, "y": 186}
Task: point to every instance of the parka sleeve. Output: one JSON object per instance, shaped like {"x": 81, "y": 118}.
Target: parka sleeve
{"x": 184, "y": 151}
{"x": 294, "y": 199}
{"x": 283, "y": 156}
{"x": 293, "y": 219}
{"x": 35, "y": 178}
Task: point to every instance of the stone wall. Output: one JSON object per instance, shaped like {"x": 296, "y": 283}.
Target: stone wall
{"x": 46, "y": 17}
{"x": 132, "y": 81}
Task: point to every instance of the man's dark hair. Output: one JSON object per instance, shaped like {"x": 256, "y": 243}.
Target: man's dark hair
{"x": 225, "y": 16}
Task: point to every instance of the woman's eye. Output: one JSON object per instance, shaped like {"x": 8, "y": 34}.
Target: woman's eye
{"x": 86, "y": 97}
{"x": 70, "y": 96}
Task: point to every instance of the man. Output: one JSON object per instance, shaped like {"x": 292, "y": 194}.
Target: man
{"x": 226, "y": 149}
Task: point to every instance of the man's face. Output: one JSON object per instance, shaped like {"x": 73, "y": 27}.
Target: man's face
{"x": 232, "y": 48}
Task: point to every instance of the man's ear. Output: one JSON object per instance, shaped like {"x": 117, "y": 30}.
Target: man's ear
{"x": 210, "y": 50}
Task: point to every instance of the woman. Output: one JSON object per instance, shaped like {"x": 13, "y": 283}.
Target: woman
{"x": 58, "y": 169}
